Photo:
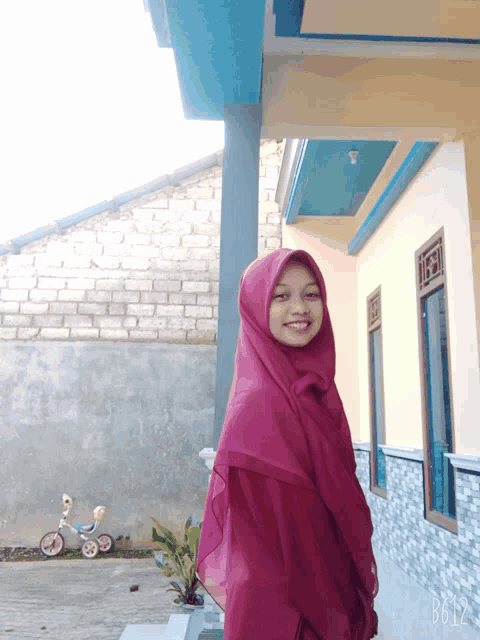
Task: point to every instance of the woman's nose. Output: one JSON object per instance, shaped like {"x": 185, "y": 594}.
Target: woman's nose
{"x": 299, "y": 305}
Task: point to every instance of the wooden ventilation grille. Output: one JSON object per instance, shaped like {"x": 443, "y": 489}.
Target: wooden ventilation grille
{"x": 431, "y": 264}
{"x": 374, "y": 310}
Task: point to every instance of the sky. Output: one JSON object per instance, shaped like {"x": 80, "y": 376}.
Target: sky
{"x": 90, "y": 109}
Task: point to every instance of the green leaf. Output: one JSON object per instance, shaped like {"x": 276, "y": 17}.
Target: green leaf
{"x": 164, "y": 546}
{"x": 187, "y": 552}
{"x": 175, "y": 584}
{"x": 194, "y": 538}
{"x": 179, "y": 563}
{"x": 191, "y": 574}
{"x": 165, "y": 543}
{"x": 176, "y": 587}
{"x": 172, "y": 549}
{"x": 166, "y": 532}
{"x": 187, "y": 527}
{"x": 183, "y": 556}
{"x": 155, "y": 521}
{"x": 156, "y": 537}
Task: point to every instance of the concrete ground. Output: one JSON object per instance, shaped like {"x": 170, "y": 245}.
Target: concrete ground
{"x": 406, "y": 611}
{"x": 91, "y": 600}
{"x": 81, "y": 599}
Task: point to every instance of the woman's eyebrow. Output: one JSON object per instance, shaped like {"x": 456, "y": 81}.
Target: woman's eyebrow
{"x": 281, "y": 284}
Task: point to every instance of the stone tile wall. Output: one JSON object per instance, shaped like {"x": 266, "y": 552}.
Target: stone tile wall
{"x": 446, "y": 564}
{"x": 148, "y": 272}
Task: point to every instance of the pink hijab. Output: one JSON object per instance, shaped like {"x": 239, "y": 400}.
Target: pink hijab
{"x": 285, "y": 420}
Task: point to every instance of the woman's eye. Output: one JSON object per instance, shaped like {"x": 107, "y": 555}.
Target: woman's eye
{"x": 285, "y": 295}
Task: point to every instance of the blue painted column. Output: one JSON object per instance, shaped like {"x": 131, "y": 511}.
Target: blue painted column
{"x": 238, "y": 237}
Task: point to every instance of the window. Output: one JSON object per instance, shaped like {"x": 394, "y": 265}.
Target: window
{"x": 435, "y": 379}
{"x": 378, "y": 482}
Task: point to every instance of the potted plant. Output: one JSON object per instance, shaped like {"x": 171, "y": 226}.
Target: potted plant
{"x": 184, "y": 559}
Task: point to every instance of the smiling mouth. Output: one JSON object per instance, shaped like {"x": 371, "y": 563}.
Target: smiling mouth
{"x": 298, "y": 325}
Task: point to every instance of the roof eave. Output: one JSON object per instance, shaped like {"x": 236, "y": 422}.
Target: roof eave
{"x": 158, "y": 15}
{"x": 60, "y": 226}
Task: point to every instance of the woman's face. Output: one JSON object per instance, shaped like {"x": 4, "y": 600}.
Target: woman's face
{"x": 296, "y": 299}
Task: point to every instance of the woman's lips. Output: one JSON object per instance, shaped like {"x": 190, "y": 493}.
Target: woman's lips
{"x": 299, "y": 329}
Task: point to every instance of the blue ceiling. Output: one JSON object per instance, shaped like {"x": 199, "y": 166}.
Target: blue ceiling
{"x": 412, "y": 164}
{"x": 326, "y": 183}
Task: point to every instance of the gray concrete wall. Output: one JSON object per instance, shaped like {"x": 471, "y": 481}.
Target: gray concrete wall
{"x": 112, "y": 423}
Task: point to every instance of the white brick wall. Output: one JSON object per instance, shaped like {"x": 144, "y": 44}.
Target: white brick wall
{"x": 148, "y": 272}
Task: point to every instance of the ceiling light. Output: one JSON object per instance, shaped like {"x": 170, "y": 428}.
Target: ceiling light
{"x": 353, "y": 154}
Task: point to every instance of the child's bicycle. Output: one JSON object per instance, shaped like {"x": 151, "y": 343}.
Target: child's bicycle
{"x": 53, "y": 543}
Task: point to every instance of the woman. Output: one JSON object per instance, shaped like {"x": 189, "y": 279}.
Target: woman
{"x": 285, "y": 547}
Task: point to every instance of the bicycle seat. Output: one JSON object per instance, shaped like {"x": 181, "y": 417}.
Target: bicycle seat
{"x": 85, "y": 528}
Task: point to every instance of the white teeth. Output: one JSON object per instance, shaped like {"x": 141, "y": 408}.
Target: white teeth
{"x": 298, "y": 325}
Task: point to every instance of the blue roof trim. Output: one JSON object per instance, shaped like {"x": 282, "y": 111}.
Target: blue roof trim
{"x": 288, "y": 17}
{"x": 298, "y": 186}
{"x": 191, "y": 72}
{"x": 353, "y": 36}
{"x": 158, "y": 14}
{"x": 58, "y": 226}
{"x": 416, "y": 158}
{"x": 218, "y": 47}
{"x": 288, "y": 23}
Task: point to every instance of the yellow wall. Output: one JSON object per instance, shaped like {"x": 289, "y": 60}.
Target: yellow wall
{"x": 472, "y": 159}
{"x": 326, "y": 241}
{"x": 428, "y": 18}
{"x": 438, "y": 197}
{"x": 341, "y": 91}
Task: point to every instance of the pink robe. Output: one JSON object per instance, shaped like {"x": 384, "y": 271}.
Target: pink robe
{"x": 285, "y": 547}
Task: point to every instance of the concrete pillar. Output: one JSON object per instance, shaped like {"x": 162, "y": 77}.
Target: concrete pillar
{"x": 238, "y": 237}
{"x": 208, "y": 456}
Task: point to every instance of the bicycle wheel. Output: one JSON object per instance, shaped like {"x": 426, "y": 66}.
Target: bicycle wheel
{"x": 105, "y": 542}
{"x": 52, "y": 544}
{"x": 90, "y": 549}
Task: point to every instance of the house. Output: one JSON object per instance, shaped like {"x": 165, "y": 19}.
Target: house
{"x": 378, "y": 104}
{"x": 108, "y": 322}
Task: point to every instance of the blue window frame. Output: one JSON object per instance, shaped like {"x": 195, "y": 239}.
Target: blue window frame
{"x": 377, "y": 404}
{"x": 438, "y": 402}
{"x": 436, "y": 387}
